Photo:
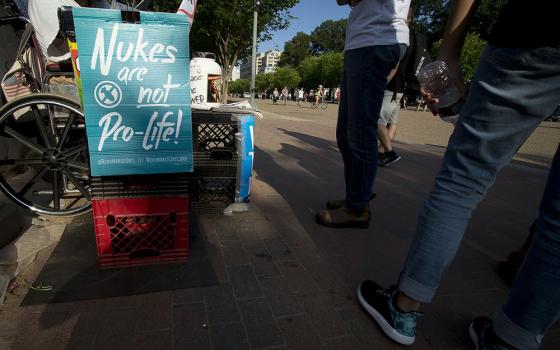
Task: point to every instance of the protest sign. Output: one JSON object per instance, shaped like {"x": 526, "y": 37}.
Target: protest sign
{"x": 135, "y": 83}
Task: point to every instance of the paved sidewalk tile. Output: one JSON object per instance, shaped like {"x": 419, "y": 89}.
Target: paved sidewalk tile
{"x": 299, "y": 333}
{"x": 229, "y": 337}
{"x": 191, "y": 329}
{"x": 244, "y": 282}
{"x": 260, "y": 323}
{"x": 221, "y": 305}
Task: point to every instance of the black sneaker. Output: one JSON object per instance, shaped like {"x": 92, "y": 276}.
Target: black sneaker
{"x": 379, "y": 303}
{"x": 483, "y": 336}
{"x": 390, "y": 158}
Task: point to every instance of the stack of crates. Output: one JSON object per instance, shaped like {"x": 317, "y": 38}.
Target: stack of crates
{"x": 223, "y": 160}
{"x": 141, "y": 219}
{"x": 144, "y": 219}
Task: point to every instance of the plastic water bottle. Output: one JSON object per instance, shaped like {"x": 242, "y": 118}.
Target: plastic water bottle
{"x": 434, "y": 79}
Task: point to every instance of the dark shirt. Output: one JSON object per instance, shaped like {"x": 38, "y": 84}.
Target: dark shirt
{"x": 397, "y": 84}
{"x": 530, "y": 24}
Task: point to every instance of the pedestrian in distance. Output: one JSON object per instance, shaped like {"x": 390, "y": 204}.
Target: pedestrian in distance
{"x": 285, "y": 95}
{"x": 275, "y": 96}
{"x": 376, "y": 39}
{"x": 300, "y": 96}
{"x": 516, "y": 86}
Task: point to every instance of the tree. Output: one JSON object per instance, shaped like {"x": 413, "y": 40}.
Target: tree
{"x": 430, "y": 16}
{"x": 165, "y": 5}
{"x": 309, "y": 72}
{"x": 225, "y": 27}
{"x": 328, "y": 36}
{"x": 240, "y": 86}
{"x": 286, "y": 76}
{"x": 322, "y": 70}
{"x": 330, "y": 68}
{"x": 264, "y": 81}
{"x": 295, "y": 50}
{"x": 470, "y": 56}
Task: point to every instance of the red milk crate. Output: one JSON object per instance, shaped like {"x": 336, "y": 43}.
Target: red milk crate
{"x": 141, "y": 231}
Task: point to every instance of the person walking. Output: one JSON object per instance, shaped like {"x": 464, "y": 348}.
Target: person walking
{"x": 300, "y": 96}
{"x": 516, "y": 86}
{"x": 275, "y": 96}
{"x": 285, "y": 95}
{"x": 376, "y": 39}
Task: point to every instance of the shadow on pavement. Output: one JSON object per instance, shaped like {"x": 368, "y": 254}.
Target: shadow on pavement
{"x": 73, "y": 272}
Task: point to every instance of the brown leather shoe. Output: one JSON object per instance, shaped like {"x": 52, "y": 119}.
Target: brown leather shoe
{"x": 335, "y": 203}
{"x": 344, "y": 217}
{"x": 339, "y": 203}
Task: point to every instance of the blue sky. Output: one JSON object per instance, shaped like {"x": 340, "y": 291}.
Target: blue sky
{"x": 309, "y": 14}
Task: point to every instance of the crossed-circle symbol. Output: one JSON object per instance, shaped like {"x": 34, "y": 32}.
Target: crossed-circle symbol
{"x": 108, "y": 94}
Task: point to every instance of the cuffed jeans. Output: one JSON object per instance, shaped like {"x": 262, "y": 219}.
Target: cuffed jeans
{"x": 513, "y": 91}
{"x": 364, "y": 79}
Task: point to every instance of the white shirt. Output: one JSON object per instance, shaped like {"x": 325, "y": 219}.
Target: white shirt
{"x": 377, "y": 22}
{"x": 300, "y": 93}
{"x": 43, "y": 14}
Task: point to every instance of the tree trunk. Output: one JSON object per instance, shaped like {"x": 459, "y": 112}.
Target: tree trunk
{"x": 227, "y": 69}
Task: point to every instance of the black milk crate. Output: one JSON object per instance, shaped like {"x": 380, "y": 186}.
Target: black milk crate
{"x": 214, "y": 144}
{"x": 136, "y": 186}
{"x": 211, "y": 194}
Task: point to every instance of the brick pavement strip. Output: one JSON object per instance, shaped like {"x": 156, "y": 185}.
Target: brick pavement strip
{"x": 190, "y": 323}
{"x": 278, "y": 291}
{"x": 260, "y": 323}
{"x": 220, "y": 304}
{"x": 229, "y": 337}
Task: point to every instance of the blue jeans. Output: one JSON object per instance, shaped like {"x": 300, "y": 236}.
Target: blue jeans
{"x": 513, "y": 91}
{"x": 363, "y": 83}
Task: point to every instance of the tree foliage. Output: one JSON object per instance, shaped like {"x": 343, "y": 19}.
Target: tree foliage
{"x": 286, "y": 76}
{"x": 165, "y": 5}
{"x": 225, "y": 28}
{"x": 430, "y": 16}
{"x": 239, "y": 86}
{"x": 328, "y": 37}
{"x": 325, "y": 69}
{"x": 295, "y": 50}
{"x": 309, "y": 72}
{"x": 470, "y": 56}
{"x": 264, "y": 81}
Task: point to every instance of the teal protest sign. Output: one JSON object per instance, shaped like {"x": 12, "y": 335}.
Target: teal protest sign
{"x": 135, "y": 81}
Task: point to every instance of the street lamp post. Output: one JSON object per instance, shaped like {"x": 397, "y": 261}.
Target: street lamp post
{"x": 256, "y": 3}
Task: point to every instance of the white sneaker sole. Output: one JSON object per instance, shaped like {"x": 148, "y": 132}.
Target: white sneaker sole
{"x": 385, "y": 326}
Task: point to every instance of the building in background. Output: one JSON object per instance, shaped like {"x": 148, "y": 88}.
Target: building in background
{"x": 269, "y": 61}
{"x": 236, "y": 73}
{"x": 266, "y": 63}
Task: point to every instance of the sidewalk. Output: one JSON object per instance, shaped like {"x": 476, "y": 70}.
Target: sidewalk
{"x": 285, "y": 283}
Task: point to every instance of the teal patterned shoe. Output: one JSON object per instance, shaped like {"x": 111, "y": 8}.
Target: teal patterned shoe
{"x": 379, "y": 303}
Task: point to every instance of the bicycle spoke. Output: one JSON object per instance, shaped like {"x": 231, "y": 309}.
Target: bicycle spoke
{"x": 26, "y": 161}
{"x": 69, "y": 206}
{"x": 77, "y": 165}
{"x": 76, "y": 183}
{"x": 22, "y": 139}
{"x": 42, "y": 128}
{"x": 66, "y": 131}
{"x": 31, "y": 182}
{"x": 56, "y": 194}
{"x": 75, "y": 150}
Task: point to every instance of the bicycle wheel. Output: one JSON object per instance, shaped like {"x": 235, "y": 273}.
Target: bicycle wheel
{"x": 45, "y": 167}
{"x": 313, "y": 105}
{"x": 323, "y": 104}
